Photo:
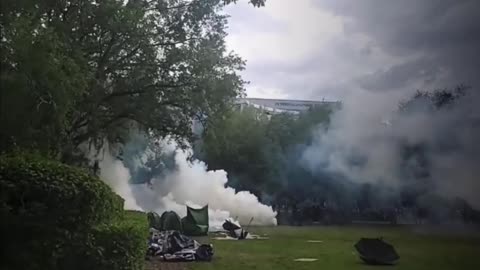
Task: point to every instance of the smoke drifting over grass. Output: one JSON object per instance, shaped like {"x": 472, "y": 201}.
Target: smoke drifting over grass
{"x": 188, "y": 183}
{"x": 117, "y": 176}
{"x": 435, "y": 148}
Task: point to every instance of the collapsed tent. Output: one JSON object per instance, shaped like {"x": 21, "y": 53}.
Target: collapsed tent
{"x": 168, "y": 221}
{"x": 234, "y": 229}
{"x": 174, "y": 246}
{"x": 235, "y": 232}
{"x": 171, "y": 221}
{"x": 154, "y": 221}
{"x": 194, "y": 224}
{"x": 196, "y": 221}
{"x": 231, "y": 225}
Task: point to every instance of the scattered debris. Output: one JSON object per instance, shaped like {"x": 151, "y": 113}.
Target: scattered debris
{"x": 236, "y": 232}
{"x": 314, "y": 241}
{"x": 174, "y": 246}
{"x": 225, "y": 236}
{"x": 306, "y": 260}
{"x": 376, "y": 251}
{"x": 231, "y": 225}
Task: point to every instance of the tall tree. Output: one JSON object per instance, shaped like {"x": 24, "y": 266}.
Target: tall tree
{"x": 76, "y": 72}
{"x": 260, "y": 151}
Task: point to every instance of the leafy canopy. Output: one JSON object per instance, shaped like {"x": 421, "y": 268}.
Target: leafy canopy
{"x": 257, "y": 150}
{"x": 76, "y": 72}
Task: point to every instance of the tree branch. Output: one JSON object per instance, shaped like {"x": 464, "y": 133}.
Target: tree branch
{"x": 128, "y": 55}
{"x": 140, "y": 91}
{"x": 103, "y": 58}
{"x": 172, "y": 43}
{"x": 172, "y": 7}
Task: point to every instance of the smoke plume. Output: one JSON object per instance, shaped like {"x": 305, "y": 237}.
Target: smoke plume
{"x": 371, "y": 141}
{"x": 188, "y": 182}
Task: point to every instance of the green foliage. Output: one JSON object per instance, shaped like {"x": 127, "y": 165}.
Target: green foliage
{"x": 256, "y": 3}
{"x": 427, "y": 101}
{"x": 117, "y": 246}
{"x": 238, "y": 144}
{"x": 39, "y": 82}
{"x": 36, "y": 191}
{"x": 48, "y": 211}
{"x": 75, "y": 72}
{"x": 255, "y": 149}
{"x": 138, "y": 218}
{"x": 287, "y": 130}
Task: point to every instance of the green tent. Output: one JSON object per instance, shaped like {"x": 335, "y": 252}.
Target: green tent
{"x": 170, "y": 221}
{"x": 196, "y": 221}
{"x": 154, "y": 221}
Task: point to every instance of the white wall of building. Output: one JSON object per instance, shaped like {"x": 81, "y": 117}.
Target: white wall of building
{"x": 281, "y": 105}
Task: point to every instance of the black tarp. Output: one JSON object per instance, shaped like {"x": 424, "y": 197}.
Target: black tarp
{"x": 234, "y": 229}
{"x": 230, "y": 225}
{"x": 174, "y": 246}
{"x": 376, "y": 251}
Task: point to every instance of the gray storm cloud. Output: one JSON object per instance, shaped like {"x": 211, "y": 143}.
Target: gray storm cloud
{"x": 436, "y": 41}
{"x": 368, "y": 45}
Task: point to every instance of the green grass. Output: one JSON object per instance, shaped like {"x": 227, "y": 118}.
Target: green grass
{"x": 336, "y": 252}
{"x": 418, "y": 250}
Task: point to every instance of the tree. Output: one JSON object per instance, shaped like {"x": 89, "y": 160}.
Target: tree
{"x": 39, "y": 81}
{"x": 256, "y": 3}
{"x": 260, "y": 151}
{"x": 237, "y": 143}
{"x": 416, "y": 156}
{"x": 428, "y": 101}
{"x": 76, "y": 72}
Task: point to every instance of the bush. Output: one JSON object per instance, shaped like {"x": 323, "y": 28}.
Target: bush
{"x": 137, "y": 217}
{"x": 35, "y": 191}
{"x": 122, "y": 247}
{"x": 118, "y": 246}
{"x": 51, "y": 213}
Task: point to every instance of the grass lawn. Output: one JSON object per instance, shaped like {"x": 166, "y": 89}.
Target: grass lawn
{"x": 418, "y": 250}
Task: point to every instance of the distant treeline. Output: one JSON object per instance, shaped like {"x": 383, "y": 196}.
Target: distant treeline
{"x": 264, "y": 154}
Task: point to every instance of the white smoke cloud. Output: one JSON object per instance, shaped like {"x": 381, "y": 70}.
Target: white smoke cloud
{"x": 357, "y": 129}
{"x": 116, "y": 176}
{"x": 365, "y": 139}
{"x": 189, "y": 184}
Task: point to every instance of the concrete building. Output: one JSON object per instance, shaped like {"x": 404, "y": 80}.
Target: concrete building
{"x": 274, "y": 106}
{"x": 284, "y": 105}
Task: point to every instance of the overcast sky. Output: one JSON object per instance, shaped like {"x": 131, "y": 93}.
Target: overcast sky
{"x": 314, "y": 49}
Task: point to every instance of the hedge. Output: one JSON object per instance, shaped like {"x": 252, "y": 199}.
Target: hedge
{"x": 58, "y": 217}
{"x": 35, "y": 191}
{"x": 118, "y": 246}
{"x": 123, "y": 247}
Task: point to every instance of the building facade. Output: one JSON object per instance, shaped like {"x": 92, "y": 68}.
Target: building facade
{"x": 284, "y": 105}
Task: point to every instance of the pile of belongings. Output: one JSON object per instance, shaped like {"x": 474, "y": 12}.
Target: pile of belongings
{"x": 174, "y": 246}
{"x": 377, "y": 252}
